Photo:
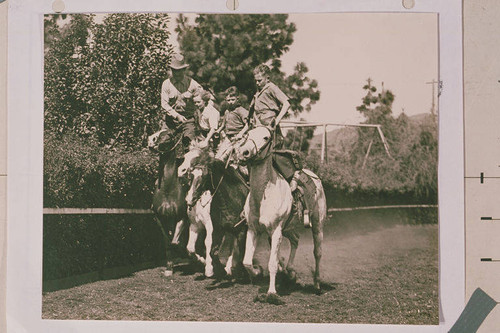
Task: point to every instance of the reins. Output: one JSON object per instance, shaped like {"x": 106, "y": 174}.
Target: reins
{"x": 220, "y": 180}
{"x": 161, "y": 165}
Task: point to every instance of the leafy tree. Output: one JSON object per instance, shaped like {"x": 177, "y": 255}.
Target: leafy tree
{"x": 223, "y": 50}
{"x": 123, "y": 75}
{"x": 377, "y": 109}
{"x": 299, "y": 138}
{"x": 104, "y": 80}
{"x": 62, "y": 66}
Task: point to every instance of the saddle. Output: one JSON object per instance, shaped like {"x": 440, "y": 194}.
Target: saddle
{"x": 289, "y": 165}
{"x": 286, "y": 163}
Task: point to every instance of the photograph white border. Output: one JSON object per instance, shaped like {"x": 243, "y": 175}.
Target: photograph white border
{"x": 25, "y": 159}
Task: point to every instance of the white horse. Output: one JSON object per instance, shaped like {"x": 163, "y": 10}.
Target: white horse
{"x": 269, "y": 205}
{"x": 198, "y": 213}
{"x": 228, "y": 192}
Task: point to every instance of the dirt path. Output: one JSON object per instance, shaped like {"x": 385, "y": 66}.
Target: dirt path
{"x": 388, "y": 275}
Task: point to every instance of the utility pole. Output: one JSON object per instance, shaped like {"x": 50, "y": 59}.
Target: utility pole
{"x": 433, "y": 109}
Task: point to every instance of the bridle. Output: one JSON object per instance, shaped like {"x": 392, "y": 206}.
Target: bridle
{"x": 258, "y": 152}
{"x": 216, "y": 188}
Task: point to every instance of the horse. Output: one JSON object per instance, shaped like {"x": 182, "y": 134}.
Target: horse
{"x": 169, "y": 204}
{"x": 269, "y": 206}
{"x": 198, "y": 213}
{"x": 228, "y": 194}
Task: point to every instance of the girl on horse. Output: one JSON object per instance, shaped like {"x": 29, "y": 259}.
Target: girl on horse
{"x": 208, "y": 117}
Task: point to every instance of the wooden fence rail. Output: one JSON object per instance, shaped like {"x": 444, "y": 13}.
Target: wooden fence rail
{"x": 135, "y": 211}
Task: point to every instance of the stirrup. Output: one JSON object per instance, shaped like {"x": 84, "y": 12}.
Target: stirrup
{"x": 307, "y": 221}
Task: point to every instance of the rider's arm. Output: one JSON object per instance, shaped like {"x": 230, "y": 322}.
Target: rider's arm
{"x": 213, "y": 120}
{"x": 165, "y": 96}
{"x": 209, "y": 135}
{"x": 242, "y": 132}
{"x": 283, "y": 99}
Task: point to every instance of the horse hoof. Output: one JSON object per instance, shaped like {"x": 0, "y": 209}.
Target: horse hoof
{"x": 209, "y": 273}
{"x": 270, "y": 298}
{"x": 292, "y": 275}
{"x": 253, "y": 271}
{"x": 317, "y": 289}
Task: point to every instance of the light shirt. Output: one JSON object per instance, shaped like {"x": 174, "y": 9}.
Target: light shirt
{"x": 172, "y": 99}
{"x": 268, "y": 102}
{"x": 209, "y": 118}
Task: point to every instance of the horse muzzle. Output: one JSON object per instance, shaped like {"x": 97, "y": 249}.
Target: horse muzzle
{"x": 244, "y": 153}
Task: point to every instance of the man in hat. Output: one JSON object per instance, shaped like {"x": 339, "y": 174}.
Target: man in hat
{"x": 177, "y": 98}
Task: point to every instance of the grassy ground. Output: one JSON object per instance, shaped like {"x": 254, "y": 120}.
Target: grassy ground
{"x": 383, "y": 276}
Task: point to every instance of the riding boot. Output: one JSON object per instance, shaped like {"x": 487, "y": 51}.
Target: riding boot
{"x": 298, "y": 194}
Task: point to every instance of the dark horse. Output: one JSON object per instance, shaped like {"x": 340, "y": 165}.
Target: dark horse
{"x": 169, "y": 204}
{"x": 229, "y": 192}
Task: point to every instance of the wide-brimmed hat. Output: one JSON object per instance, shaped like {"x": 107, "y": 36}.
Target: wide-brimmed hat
{"x": 177, "y": 62}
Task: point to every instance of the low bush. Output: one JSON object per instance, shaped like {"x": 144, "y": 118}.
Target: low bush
{"x": 80, "y": 173}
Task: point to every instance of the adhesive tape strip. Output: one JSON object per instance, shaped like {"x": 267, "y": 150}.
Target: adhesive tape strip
{"x": 477, "y": 309}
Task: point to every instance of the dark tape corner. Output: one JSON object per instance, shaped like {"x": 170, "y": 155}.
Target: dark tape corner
{"x": 475, "y": 312}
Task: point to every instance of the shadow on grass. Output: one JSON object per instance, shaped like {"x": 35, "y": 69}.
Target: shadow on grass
{"x": 286, "y": 286}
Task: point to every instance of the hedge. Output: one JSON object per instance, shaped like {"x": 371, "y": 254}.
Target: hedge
{"x": 79, "y": 173}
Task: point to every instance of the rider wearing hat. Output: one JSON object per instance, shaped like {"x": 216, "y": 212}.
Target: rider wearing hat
{"x": 177, "y": 98}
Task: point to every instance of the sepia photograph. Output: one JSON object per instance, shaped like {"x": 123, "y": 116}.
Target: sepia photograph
{"x": 275, "y": 168}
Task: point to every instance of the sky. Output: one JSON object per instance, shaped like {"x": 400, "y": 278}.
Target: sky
{"x": 342, "y": 50}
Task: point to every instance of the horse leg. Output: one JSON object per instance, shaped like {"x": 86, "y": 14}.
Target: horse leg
{"x": 318, "y": 239}
{"x": 179, "y": 228}
{"x": 250, "y": 246}
{"x": 217, "y": 237}
{"x": 237, "y": 268}
{"x": 274, "y": 259}
{"x": 293, "y": 237}
{"x": 191, "y": 245}
{"x": 209, "y": 268}
{"x": 169, "y": 270}
{"x": 229, "y": 262}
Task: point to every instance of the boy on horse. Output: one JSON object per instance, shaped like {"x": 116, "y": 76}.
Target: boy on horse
{"x": 234, "y": 123}
{"x": 269, "y": 105}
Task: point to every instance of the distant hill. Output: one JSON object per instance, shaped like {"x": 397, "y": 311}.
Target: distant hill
{"x": 342, "y": 140}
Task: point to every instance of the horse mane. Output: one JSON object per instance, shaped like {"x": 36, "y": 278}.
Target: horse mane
{"x": 206, "y": 156}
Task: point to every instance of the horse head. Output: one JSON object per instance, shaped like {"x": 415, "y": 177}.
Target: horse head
{"x": 163, "y": 140}
{"x": 256, "y": 144}
{"x": 199, "y": 184}
{"x": 199, "y": 170}
{"x": 195, "y": 153}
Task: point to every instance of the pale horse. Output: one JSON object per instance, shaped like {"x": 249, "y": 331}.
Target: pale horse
{"x": 269, "y": 205}
{"x": 198, "y": 211}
